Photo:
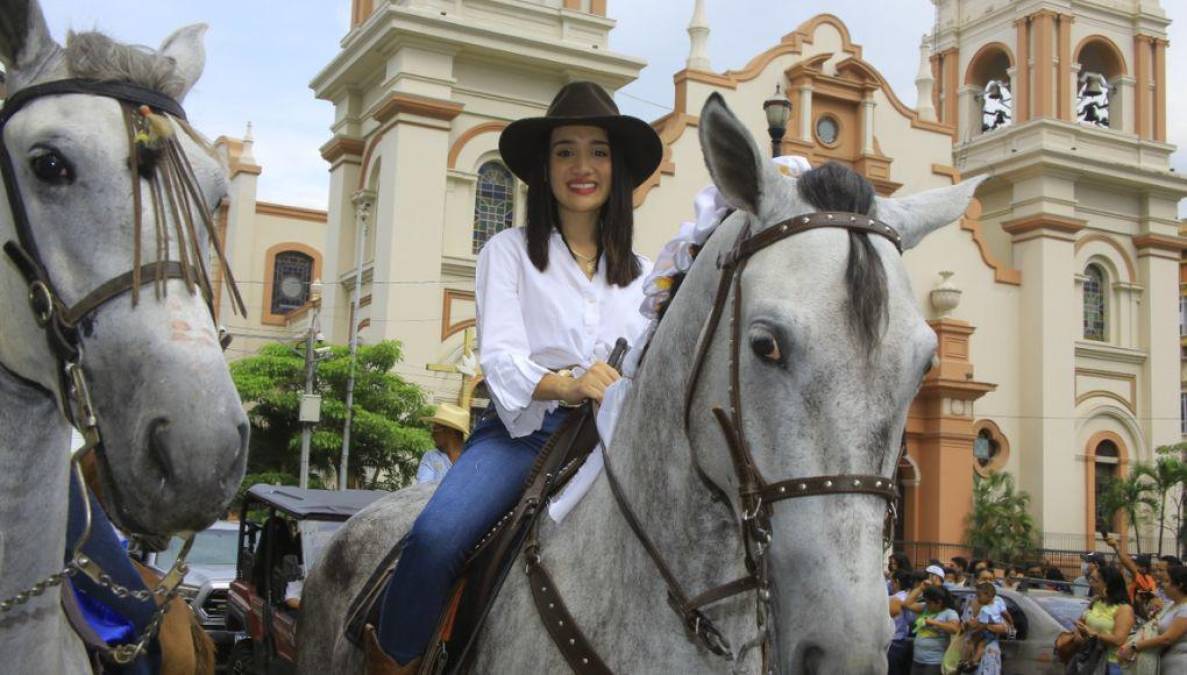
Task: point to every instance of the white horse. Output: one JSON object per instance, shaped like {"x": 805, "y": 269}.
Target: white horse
{"x": 173, "y": 431}
{"x": 833, "y": 349}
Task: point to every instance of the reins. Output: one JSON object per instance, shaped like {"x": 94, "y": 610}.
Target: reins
{"x": 156, "y": 156}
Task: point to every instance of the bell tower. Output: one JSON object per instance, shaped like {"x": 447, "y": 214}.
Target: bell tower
{"x": 998, "y": 63}
{"x": 1064, "y": 104}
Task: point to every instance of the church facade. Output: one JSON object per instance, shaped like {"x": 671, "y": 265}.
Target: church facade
{"x": 1053, "y": 298}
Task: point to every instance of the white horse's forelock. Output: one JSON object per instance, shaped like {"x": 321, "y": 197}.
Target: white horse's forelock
{"x": 95, "y": 56}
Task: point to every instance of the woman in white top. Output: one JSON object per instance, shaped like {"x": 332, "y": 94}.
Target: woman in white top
{"x": 552, "y": 298}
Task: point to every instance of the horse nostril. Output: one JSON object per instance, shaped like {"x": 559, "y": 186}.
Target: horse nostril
{"x": 812, "y": 658}
{"x": 244, "y": 429}
{"x": 158, "y": 446}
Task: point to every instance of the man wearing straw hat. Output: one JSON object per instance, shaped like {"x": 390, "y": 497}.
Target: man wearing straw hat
{"x": 451, "y": 426}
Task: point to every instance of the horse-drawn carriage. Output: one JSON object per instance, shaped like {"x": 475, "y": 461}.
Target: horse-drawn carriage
{"x": 282, "y": 534}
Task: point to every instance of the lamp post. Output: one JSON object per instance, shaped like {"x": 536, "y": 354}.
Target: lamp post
{"x": 778, "y": 110}
{"x": 363, "y": 201}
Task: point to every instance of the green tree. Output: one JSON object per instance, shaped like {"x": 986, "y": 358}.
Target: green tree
{"x": 1166, "y": 473}
{"x": 1000, "y": 526}
{"x": 386, "y": 435}
{"x": 1131, "y": 496}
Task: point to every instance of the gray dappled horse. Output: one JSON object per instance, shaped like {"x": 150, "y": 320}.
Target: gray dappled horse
{"x": 833, "y": 349}
{"x": 174, "y": 435}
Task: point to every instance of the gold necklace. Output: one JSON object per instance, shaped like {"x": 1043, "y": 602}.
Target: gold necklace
{"x": 588, "y": 264}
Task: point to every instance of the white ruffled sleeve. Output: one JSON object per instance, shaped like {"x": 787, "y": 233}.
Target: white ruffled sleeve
{"x": 511, "y": 375}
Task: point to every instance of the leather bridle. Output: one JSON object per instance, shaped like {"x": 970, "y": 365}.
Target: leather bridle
{"x": 173, "y": 186}
{"x": 60, "y": 322}
{"x": 755, "y": 493}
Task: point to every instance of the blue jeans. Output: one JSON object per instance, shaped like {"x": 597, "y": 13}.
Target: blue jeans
{"x": 484, "y": 484}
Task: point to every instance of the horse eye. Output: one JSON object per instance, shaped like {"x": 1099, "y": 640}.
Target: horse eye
{"x": 765, "y": 346}
{"x": 51, "y": 167}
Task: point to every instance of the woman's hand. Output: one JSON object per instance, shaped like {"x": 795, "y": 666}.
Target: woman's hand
{"x": 591, "y": 385}
{"x": 1127, "y": 652}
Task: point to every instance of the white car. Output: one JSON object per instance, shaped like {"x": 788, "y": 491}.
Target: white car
{"x": 212, "y": 562}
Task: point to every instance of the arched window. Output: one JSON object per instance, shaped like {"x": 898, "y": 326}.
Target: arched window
{"x": 291, "y": 275}
{"x": 1107, "y": 459}
{"x": 1094, "y": 303}
{"x": 494, "y": 205}
{"x": 989, "y": 73}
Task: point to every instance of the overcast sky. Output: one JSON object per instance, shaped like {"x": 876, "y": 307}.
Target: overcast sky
{"x": 261, "y": 56}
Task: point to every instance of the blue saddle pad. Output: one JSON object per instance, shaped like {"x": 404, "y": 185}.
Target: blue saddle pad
{"x": 116, "y": 620}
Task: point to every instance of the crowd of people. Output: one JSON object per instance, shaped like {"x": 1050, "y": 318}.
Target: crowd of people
{"x": 1135, "y": 620}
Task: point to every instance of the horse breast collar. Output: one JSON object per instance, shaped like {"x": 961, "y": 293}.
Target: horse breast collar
{"x": 156, "y": 156}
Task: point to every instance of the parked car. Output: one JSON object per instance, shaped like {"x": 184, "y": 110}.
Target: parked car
{"x": 211, "y": 562}
{"x": 1039, "y": 617}
{"x": 282, "y": 534}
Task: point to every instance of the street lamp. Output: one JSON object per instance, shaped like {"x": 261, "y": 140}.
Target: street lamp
{"x": 778, "y": 110}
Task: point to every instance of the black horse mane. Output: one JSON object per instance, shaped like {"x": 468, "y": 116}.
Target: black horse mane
{"x": 835, "y": 187}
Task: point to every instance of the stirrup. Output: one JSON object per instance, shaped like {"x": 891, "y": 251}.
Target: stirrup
{"x": 379, "y": 662}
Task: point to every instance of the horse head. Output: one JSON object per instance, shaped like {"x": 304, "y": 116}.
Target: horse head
{"x": 831, "y": 350}
{"x": 174, "y": 434}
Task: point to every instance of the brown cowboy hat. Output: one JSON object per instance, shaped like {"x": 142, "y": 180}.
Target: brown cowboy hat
{"x": 525, "y": 141}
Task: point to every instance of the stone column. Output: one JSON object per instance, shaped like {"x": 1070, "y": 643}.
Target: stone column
{"x": 806, "y": 112}
{"x": 1065, "y": 89}
{"x": 868, "y": 107}
{"x": 1044, "y": 32}
{"x": 407, "y": 298}
{"x": 1159, "y": 109}
{"x": 940, "y": 437}
{"x": 1022, "y": 84}
{"x": 1159, "y": 256}
{"x": 345, "y": 157}
{"x": 1050, "y": 317}
{"x": 1141, "y": 73}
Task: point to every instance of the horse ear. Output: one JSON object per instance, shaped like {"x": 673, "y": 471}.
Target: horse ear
{"x": 919, "y": 215}
{"x": 27, "y": 50}
{"x": 185, "y": 46}
{"x": 737, "y": 166}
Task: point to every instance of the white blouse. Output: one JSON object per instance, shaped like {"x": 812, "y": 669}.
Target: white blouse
{"x": 532, "y": 322}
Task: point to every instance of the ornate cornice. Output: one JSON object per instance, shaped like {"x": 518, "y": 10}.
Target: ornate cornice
{"x": 398, "y": 102}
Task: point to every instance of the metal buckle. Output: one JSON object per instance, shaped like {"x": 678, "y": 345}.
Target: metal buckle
{"x": 41, "y": 301}
{"x": 709, "y": 636}
{"x": 85, "y": 420}
{"x": 753, "y": 514}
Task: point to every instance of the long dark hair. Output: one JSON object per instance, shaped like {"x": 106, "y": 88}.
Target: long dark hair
{"x": 1115, "y": 590}
{"x": 616, "y": 232}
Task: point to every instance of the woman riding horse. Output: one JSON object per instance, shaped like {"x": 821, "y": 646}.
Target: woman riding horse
{"x": 552, "y": 297}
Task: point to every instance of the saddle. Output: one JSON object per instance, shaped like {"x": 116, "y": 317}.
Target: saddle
{"x": 486, "y": 567}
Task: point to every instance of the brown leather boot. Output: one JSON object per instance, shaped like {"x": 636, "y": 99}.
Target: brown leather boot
{"x": 378, "y": 661}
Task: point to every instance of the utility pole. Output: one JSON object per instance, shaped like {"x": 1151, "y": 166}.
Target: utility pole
{"x": 310, "y": 413}
{"x": 363, "y": 201}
